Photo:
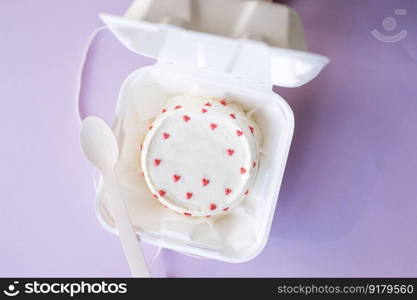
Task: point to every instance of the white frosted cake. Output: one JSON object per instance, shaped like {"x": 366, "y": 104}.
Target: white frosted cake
{"x": 200, "y": 155}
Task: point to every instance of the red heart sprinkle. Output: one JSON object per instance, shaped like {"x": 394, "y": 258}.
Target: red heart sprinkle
{"x": 156, "y": 162}
{"x": 164, "y": 110}
{"x": 213, "y": 206}
{"x": 186, "y": 118}
{"x": 155, "y": 196}
{"x": 227, "y": 191}
{"x": 223, "y": 102}
{"x": 162, "y": 193}
{"x": 213, "y": 126}
{"x": 177, "y": 107}
{"x": 187, "y": 214}
{"x": 203, "y": 110}
{"x": 165, "y": 135}
{"x": 226, "y": 209}
{"x": 247, "y": 192}
{"x": 242, "y": 170}
{"x": 230, "y": 152}
{"x": 189, "y": 195}
{"x": 176, "y": 177}
{"x": 208, "y": 104}
{"x": 251, "y": 129}
{"x": 239, "y": 133}
{"x": 254, "y": 164}
{"x": 233, "y": 116}
{"x": 205, "y": 181}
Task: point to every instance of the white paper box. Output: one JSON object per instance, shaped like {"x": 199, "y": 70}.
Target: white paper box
{"x": 194, "y": 62}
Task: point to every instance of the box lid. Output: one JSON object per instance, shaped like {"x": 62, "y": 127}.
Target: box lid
{"x": 246, "y": 58}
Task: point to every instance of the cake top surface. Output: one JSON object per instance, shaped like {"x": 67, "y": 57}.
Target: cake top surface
{"x": 200, "y": 155}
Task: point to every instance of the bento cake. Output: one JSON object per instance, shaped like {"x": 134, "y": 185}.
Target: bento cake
{"x": 200, "y": 155}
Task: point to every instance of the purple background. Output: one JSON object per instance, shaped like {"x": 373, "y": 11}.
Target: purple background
{"x": 348, "y": 203}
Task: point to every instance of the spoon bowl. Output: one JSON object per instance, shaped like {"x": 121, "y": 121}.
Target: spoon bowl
{"x": 99, "y": 143}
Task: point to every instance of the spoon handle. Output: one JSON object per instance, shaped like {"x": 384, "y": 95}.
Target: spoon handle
{"x": 128, "y": 237}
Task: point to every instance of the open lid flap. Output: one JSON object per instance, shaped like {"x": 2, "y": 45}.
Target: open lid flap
{"x": 248, "y": 59}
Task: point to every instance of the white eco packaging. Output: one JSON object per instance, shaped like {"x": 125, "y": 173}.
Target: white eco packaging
{"x": 200, "y": 51}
